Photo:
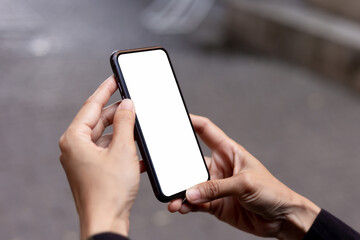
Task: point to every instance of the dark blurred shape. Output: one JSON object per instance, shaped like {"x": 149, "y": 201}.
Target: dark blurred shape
{"x": 309, "y": 36}
{"x": 345, "y": 8}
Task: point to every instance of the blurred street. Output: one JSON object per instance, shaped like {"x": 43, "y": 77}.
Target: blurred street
{"x": 53, "y": 54}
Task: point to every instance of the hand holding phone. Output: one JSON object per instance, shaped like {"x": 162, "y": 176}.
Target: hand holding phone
{"x": 84, "y": 150}
{"x": 164, "y": 133}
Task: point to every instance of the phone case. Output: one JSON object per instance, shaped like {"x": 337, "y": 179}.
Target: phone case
{"x": 138, "y": 133}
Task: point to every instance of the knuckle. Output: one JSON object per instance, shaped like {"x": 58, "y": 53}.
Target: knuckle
{"x": 240, "y": 154}
{"x": 88, "y": 100}
{"x": 246, "y": 183}
{"x": 212, "y": 189}
{"x": 124, "y": 117}
{"x": 206, "y": 122}
{"x": 61, "y": 159}
{"x": 240, "y": 151}
{"x": 63, "y": 142}
{"x": 70, "y": 133}
{"x": 92, "y": 101}
{"x": 105, "y": 121}
{"x": 65, "y": 139}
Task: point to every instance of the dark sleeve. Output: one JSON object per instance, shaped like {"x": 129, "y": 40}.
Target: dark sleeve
{"x": 108, "y": 236}
{"x": 328, "y": 227}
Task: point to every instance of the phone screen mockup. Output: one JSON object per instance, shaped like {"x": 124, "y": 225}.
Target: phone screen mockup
{"x": 172, "y": 147}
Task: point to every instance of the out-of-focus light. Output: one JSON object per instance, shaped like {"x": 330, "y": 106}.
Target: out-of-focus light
{"x": 174, "y": 16}
{"x": 40, "y": 47}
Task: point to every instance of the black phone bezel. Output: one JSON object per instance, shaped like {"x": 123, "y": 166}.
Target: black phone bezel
{"x": 138, "y": 133}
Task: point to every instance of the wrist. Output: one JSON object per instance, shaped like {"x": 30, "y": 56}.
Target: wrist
{"x": 91, "y": 225}
{"x": 299, "y": 218}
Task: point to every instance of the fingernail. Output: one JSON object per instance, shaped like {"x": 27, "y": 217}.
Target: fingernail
{"x": 127, "y": 104}
{"x": 193, "y": 194}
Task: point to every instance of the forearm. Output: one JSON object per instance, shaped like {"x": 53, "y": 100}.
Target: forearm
{"x": 299, "y": 219}
{"x": 91, "y": 225}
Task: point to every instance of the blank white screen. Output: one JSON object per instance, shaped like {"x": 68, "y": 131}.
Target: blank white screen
{"x": 163, "y": 120}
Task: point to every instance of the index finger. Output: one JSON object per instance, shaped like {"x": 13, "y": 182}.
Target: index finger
{"x": 89, "y": 114}
{"x": 211, "y": 134}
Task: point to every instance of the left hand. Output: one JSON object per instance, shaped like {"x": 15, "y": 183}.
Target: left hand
{"x": 102, "y": 170}
{"x": 243, "y": 193}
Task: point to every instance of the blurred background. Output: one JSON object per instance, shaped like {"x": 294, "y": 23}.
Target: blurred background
{"x": 280, "y": 77}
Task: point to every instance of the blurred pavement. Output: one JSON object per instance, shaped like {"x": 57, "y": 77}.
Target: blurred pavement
{"x": 53, "y": 54}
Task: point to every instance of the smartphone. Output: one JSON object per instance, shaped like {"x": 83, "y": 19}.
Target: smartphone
{"x": 163, "y": 130}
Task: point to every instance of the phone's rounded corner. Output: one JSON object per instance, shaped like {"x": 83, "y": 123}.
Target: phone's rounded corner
{"x": 165, "y": 199}
{"x": 164, "y": 50}
{"x": 114, "y": 55}
{"x": 162, "y": 198}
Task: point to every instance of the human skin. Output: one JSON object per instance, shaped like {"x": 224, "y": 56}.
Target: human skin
{"x": 103, "y": 173}
{"x": 243, "y": 193}
{"x": 102, "y": 170}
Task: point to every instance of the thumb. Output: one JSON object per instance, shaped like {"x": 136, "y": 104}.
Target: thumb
{"x": 211, "y": 190}
{"x": 123, "y": 124}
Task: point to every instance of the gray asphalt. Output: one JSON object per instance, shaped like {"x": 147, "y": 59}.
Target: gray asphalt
{"x": 53, "y": 54}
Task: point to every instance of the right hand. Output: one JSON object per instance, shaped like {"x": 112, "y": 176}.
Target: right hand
{"x": 243, "y": 193}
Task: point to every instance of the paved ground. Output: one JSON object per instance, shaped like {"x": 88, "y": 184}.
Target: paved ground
{"x": 305, "y": 129}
